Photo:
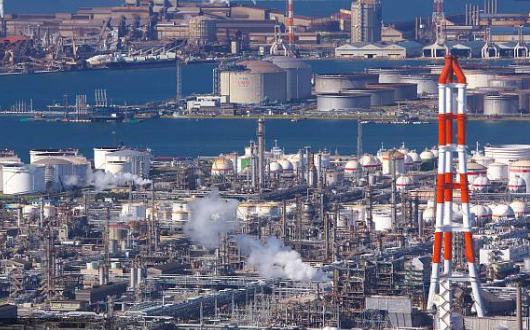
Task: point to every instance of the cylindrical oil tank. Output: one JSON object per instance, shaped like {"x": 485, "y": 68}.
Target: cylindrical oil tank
{"x": 524, "y": 99}
{"x": 382, "y": 219}
{"x": 256, "y": 83}
{"x": 426, "y": 84}
{"x": 22, "y": 179}
{"x": 99, "y": 156}
{"x": 117, "y": 167}
{"x": 401, "y": 91}
{"x": 499, "y": 105}
{"x": 475, "y": 102}
{"x": 338, "y": 102}
{"x": 520, "y": 169}
{"x": 335, "y": 83}
{"x": 37, "y": 154}
{"x": 57, "y": 170}
{"x": 508, "y": 153}
{"x": 298, "y": 76}
{"x": 480, "y": 78}
{"x": 140, "y": 160}
{"x": 378, "y": 97}
{"x": 202, "y": 28}
{"x": 507, "y": 83}
{"x": 393, "y": 75}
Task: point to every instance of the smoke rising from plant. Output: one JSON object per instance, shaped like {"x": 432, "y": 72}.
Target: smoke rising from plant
{"x": 210, "y": 218}
{"x": 103, "y": 180}
{"x": 274, "y": 260}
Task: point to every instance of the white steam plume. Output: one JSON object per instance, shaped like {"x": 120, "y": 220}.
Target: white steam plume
{"x": 274, "y": 260}
{"x": 103, "y": 180}
{"x": 211, "y": 217}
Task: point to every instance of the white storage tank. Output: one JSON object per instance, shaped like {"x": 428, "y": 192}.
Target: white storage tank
{"x": 382, "y": 219}
{"x": 497, "y": 171}
{"x": 343, "y": 101}
{"x": 37, "y": 154}
{"x": 18, "y": 179}
{"x": 222, "y": 166}
{"x": 259, "y": 82}
{"x": 500, "y": 105}
{"x": 428, "y": 215}
{"x": 352, "y": 168}
{"x": 426, "y": 84}
{"x": 57, "y": 170}
{"x": 99, "y": 156}
{"x": 287, "y": 167}
{"x": 482, "y": 159}
{"x": 133, "y": 211}
{"x": 391, "y": 158}
{"x": 298, "y": 76}
{"x": 503, "y": 212}
{"x": 336, "y": 83}
{"x": 508, "y": 153}
{"x": 402, "y": 91}
{"x": 482, "y": 214}
{"x": 520, "y": 208}
{"x": 370, "y": 163}
{"x": 516, "y": 185}
{"x": 140, "y": 160}
{"x": 521, "y": 169}
{"x": 474, "y": 170}
{"x": 378, "y": 96}
{"x": 404, "y": 183}
{"x": 480, "y": 78}
{"x": 117, "y": 167}
{"x": 428, "y": 160}
{"x": 481, "y": 184}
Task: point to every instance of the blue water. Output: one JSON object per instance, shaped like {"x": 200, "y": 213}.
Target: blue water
{"x": 183, "y": 137}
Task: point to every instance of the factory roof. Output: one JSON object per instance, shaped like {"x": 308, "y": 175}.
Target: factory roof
{"x": 288, "y": 62}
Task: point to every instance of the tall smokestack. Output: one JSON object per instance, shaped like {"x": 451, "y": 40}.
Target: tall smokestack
{"x": 1, "y": 9}
{"x": 290, "y": 23}
{"x": 261, "y": 152}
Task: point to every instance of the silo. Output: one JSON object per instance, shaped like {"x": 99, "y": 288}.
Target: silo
{"x": 426, "y": 84}
{"x": 202, "y": 28}
{"x": 335, "y": 83}
{"x": 256, "y": 83}
{"x": 338, "y": 102}
{"x": 402, "y": 91}
{"x": 298, "y": 75}
{"x": 378, "y": 97}
{"x": 499, "y": 105}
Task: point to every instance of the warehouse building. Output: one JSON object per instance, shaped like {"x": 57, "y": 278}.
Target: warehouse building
{"x": 379, "y": 50}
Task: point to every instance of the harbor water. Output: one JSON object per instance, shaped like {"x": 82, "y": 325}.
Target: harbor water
{"x": 191, "y": 137}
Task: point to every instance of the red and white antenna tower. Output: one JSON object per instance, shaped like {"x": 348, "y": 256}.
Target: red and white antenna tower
{"x": 452, "y": 86}
{"x": 290, "y": 23}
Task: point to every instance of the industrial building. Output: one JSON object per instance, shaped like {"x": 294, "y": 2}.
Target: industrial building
{"x": 366, "y": 21}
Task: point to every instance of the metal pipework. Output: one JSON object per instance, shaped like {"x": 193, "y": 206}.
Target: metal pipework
{"x": 261, "y": 152}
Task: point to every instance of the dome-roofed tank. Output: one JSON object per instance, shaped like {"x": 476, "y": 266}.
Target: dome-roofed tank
{"x": 391, "y": 158}
{"x": 275, "y": 167}
{"x": 287, "y": 166}
{"x": 222, "y": 166}
{"x": 482, "y": 159}
{"x": 481, "y": 184}
{"x": 520, "y": 208}
{"x": 516, "y": 185}
{"x": 415, "y": 158}
{"x": 503, "y": 212}
{"x": 370, "y": 163}
{"x": 521, "y": 168}
{"x": 428, "y": 160}
{"x": 352, "y": 167}
{"x": 404, "y": 183}
{"x": 482, "y": 214}
{"x": 428, "y": 215}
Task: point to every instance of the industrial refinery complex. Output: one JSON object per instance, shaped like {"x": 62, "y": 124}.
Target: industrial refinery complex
{"x": 262, "y": 236}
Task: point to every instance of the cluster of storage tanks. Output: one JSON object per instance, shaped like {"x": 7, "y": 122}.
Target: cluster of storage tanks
{"x": 330, "y": 169}
{"x": 59, "y": 169}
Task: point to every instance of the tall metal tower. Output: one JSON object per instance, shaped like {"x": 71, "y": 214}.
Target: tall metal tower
{"x": 438, "y": 14}
{"x": 290, "y": 24}
{"x": 451, "y": 106}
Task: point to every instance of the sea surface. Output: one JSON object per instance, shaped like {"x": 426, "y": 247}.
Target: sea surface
{"x": 393, "y": 10}
{"x": 211, "y": 137}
